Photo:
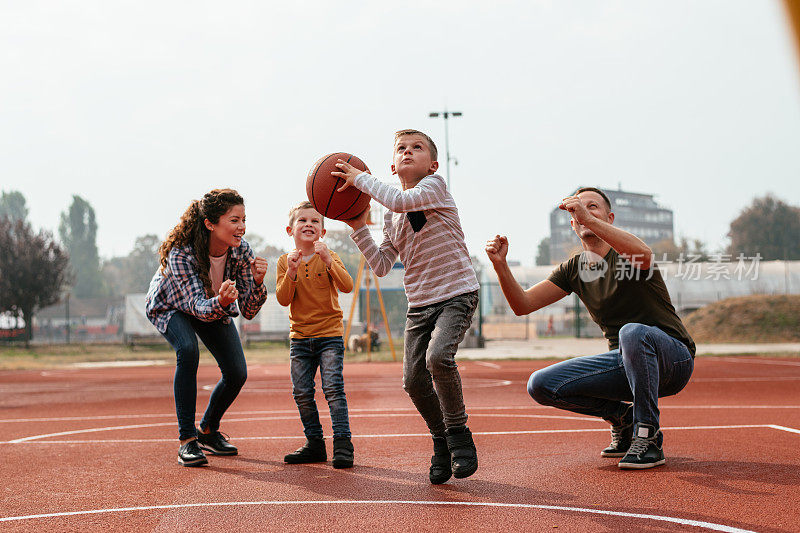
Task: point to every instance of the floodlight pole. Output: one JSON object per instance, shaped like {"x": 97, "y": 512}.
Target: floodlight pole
{"x": 445, "y": 115}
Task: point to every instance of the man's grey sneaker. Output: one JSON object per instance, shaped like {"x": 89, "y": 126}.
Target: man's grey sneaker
{"x": 621, "y": 434}
{"x": 646, "y": 449}
{"x": 190, "y": 454}
{"x": 216, "y": 443}
{"x": 464, "y": 456}
{"x": 441, "y": 469}
{"x": 313, "y": 451}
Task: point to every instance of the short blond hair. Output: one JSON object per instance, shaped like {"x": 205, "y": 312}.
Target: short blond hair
{"x": 302, "y": 205}
{"x": 431, "y": 144}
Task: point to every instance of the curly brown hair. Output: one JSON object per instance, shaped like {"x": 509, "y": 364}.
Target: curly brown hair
{"x": 191, "y": 231}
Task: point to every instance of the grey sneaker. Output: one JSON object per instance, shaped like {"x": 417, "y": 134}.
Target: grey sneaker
{"x": 646, "y": 449}
{"x": 621, "y": 435}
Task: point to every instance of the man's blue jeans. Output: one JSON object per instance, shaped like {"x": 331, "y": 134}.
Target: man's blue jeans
{"x": 222, "y": 340}
{"x": 649, "y": 364}
{"x": 305, "y": 356}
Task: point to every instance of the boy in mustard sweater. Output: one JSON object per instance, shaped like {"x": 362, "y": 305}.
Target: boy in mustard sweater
{"x": 308, "y": 280}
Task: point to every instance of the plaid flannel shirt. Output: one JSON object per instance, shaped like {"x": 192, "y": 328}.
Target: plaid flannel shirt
{"x": 178, "y": 288}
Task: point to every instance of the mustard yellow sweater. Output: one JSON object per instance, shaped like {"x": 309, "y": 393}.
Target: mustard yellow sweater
{"x": 312, "y": 298}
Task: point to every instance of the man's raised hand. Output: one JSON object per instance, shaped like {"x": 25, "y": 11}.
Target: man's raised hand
{"x": 574, "y": 206}
{"x": 497, "y": 249}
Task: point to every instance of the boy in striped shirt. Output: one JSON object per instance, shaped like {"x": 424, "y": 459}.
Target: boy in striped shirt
{"x": 422, "y": 228}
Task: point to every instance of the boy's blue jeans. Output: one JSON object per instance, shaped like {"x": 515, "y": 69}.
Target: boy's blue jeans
{"x": 305, "y": 356}
{"x": 649, "y": 364}
{"x": 433, "y": 333}
{"x": 222, "y": 340}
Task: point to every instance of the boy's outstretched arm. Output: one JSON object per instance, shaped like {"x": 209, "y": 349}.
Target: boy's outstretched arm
{"x": 430, "y": 193}
{"x": 522, "y": 302}
{"x": 380, "y": 259}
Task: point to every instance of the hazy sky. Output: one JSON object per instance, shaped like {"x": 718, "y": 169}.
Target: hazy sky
{"x": 141, "y": 106}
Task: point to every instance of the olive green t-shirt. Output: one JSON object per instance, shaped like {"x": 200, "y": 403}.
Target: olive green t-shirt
{"x": 616, "y": 293}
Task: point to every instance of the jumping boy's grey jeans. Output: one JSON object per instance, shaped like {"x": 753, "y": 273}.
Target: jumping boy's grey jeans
{"x": 432, "y": 335}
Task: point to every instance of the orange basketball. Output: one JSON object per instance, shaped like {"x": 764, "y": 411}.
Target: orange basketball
{"x": 321, "y": 188}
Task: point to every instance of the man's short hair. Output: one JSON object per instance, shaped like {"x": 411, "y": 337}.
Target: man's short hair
{"x": 302, "y": 205}
{"x": 431, "y": 144}
{"x": 598, "y": 191}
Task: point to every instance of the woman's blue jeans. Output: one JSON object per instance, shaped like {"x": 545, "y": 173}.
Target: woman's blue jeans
{"x": 305, "y": 356}
{"x": 222, "y": 340}
{"x": 649, "y": 364}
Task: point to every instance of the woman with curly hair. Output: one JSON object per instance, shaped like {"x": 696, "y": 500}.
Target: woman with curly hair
{"x": 206, "y": 267}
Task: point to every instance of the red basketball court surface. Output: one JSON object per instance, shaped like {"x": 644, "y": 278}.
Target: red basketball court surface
{"x": 96, "y": 449}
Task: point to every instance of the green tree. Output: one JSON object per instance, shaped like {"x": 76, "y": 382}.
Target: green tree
{"x": 12, "y": 205}
{"x": 268, "y": 251}
{"x": 543, "y": 252}
{"x": 34, "y": 271}
{"x": 262, "y": 249}
{"x": 769, "y": 227}
{"x": 667, "y": 250}
{"x": 78, "y": 232}
{"x": 132, "y": 274}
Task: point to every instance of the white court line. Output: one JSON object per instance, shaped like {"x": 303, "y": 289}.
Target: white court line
{"x": 682, "y": 521}
{"x": 759, "y": 362}
{"x": 389, "y": 386}
{"x": 270, "y": 418}
{"x": 487, "y": 364}
{"x": 776, "y": 378}
{"x": 130, "y": 416}
{"x": 402, "y": 435}
{"x": 784, "y": 428}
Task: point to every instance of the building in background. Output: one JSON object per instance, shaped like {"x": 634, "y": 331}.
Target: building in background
{"x": 637, "y": 213}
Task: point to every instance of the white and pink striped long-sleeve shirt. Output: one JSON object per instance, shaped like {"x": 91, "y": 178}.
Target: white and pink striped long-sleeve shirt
{"x": 435, "y": 257}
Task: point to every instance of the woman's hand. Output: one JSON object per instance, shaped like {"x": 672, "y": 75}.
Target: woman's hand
{"x": 227, "y": 293}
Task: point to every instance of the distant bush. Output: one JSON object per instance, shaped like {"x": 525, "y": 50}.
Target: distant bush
{"x": 757, "y": 318}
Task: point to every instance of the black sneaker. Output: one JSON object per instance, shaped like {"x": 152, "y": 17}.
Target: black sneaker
{"x": 313, "y": 451}
{"x": 216, "y": 443}
{"x": 342, "y": 452}
{"x": 464, "y": 456}
{"x": 441, "y": 469}
{"x": 190, "y": 454}
{"x": 646, "y": 448}
{"x": 621, "y": 435}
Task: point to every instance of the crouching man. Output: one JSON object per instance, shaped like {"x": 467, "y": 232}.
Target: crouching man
{"x": 650, "y": 352}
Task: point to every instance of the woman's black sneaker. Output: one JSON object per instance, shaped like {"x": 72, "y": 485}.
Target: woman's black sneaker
{"x": 441, "y": 470}
{"x": 216, "y": 443}
{"x": 313, "y": 451}
{"x": 190, "y": 454}
{"x": 462, "y": 451}
{"x": 342, "y": 452}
